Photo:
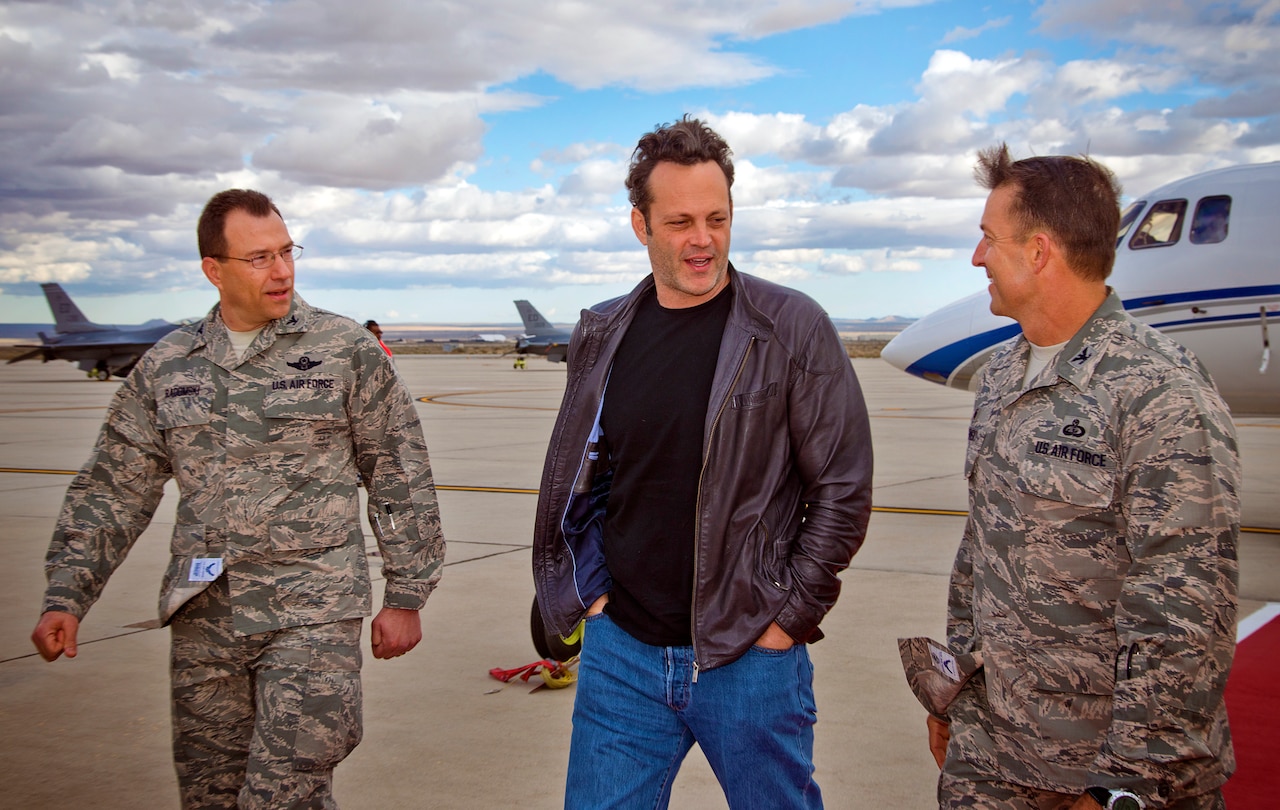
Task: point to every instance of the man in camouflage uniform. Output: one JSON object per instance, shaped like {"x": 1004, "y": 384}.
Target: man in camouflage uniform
{"x": 269, "y": 413}
{"x": 1097, "y": 575}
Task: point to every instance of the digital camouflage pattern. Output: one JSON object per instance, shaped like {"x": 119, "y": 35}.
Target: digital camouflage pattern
{"x": 934, "y": 674}
{"x": 267, "y": 453}
{"x": 961, "y": 793}
{"x": 267, "y": 549}
{"x": 260, "y": 722}
{"x": 1097, "y": 574}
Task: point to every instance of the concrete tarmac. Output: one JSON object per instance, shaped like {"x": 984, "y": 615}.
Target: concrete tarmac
{"x": 439, "y": 732}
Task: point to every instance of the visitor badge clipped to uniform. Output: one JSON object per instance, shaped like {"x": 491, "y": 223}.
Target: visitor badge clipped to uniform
{"x": 205, "y": 569}
{"x": 945, "y": 663}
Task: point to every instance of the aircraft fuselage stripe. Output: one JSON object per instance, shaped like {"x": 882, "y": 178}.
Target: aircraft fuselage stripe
{"x": 946, "y": 360}
{"x": 1200, "y": 296}
{"x": 943, "y": 362}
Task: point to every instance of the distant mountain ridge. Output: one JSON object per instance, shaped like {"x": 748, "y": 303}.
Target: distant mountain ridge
{"x": 888, "y": 324}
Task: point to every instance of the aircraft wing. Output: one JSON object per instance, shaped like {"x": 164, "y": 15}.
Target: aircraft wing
{"x": 35, "y": 351}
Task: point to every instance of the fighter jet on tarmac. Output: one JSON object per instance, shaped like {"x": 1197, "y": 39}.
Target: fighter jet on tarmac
{"x": 101, "y": 350}
{"x": 540, "y": 336}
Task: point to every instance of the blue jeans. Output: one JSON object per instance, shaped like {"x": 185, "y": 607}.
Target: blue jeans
{"x": 637, "y": 713}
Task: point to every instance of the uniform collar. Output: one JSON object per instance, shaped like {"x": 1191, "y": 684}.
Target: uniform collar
{"x": 1078, "y": 359}
{"x": 1075, "y": 363}
{"x": 211, "y": 336}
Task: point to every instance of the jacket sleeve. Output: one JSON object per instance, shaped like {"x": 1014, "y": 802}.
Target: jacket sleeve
{"x": 391, "y": 455}
{"x": 110, "y": 502}
{"x": 831, "y": 441}
{"x": 1176, "y": 615}
{"x": 960, "y": 630}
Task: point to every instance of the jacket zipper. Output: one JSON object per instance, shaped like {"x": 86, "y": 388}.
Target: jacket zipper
{"x": 697, "y": 529}
{"x": 585, "y": 457}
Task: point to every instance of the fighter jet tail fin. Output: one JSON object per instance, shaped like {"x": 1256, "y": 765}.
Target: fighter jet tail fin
{"x": 67, "y": 316}
{"x": 534, "y": 322}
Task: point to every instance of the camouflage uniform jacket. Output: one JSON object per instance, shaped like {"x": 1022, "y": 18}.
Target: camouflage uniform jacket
{"x": 1097, "y": 573}
{"x": 267, "y": 452}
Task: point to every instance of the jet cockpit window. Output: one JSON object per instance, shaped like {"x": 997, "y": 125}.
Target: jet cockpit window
{"x": 1162, "y": 226}
{"x": 1127, "y": 219}
{"x": 1211, "y": 219}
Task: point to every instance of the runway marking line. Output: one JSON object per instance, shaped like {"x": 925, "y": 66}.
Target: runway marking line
{"x": 893, "y": 510}
{"x": 435, "y": 399}
{"x": 6, "y": 411}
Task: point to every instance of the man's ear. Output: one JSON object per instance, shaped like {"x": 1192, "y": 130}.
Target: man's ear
{"x": 212, "y": 271}
{"x": 1040, "y": 248}
{"x": 638, "y": 225}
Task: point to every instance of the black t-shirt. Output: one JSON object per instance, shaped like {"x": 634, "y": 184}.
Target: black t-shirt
{"x": 655, "y": 410}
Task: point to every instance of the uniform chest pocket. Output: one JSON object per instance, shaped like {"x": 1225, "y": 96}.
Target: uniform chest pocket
{"x": 1078, "y": 474}
{"x": 184, "y": 405}
{"x": 980, "y": 429}
{"x": 309, "y": 398}
{"x": 306, "y": 422}
{"x": 971, "y": 453}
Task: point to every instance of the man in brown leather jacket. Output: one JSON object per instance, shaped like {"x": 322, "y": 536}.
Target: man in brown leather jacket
{"x": 698, "y": 515}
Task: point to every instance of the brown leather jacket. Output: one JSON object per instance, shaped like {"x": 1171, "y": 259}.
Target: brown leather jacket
{"x": 785, "y": 492}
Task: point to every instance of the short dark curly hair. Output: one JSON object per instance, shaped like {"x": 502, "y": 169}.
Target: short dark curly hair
{"x": 688, "y": 142}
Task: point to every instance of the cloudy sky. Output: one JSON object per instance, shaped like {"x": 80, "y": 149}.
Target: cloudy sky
{"x": 439, "y": 159}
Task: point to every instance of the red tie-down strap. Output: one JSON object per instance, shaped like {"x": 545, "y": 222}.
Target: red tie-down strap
{"x": 555, "y": 674}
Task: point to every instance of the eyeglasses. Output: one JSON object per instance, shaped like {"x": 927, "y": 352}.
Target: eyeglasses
{"x": 264, "y": 260}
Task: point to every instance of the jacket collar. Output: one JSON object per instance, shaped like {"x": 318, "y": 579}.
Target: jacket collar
{"x": 743, "y": 312}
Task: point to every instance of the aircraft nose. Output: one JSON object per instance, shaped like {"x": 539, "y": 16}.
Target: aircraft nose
{"x": 941, "y": 346}
{"x": 904, "y": 349}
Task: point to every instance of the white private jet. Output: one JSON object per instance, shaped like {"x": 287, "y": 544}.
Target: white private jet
{"x": 1198, "y": 259}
